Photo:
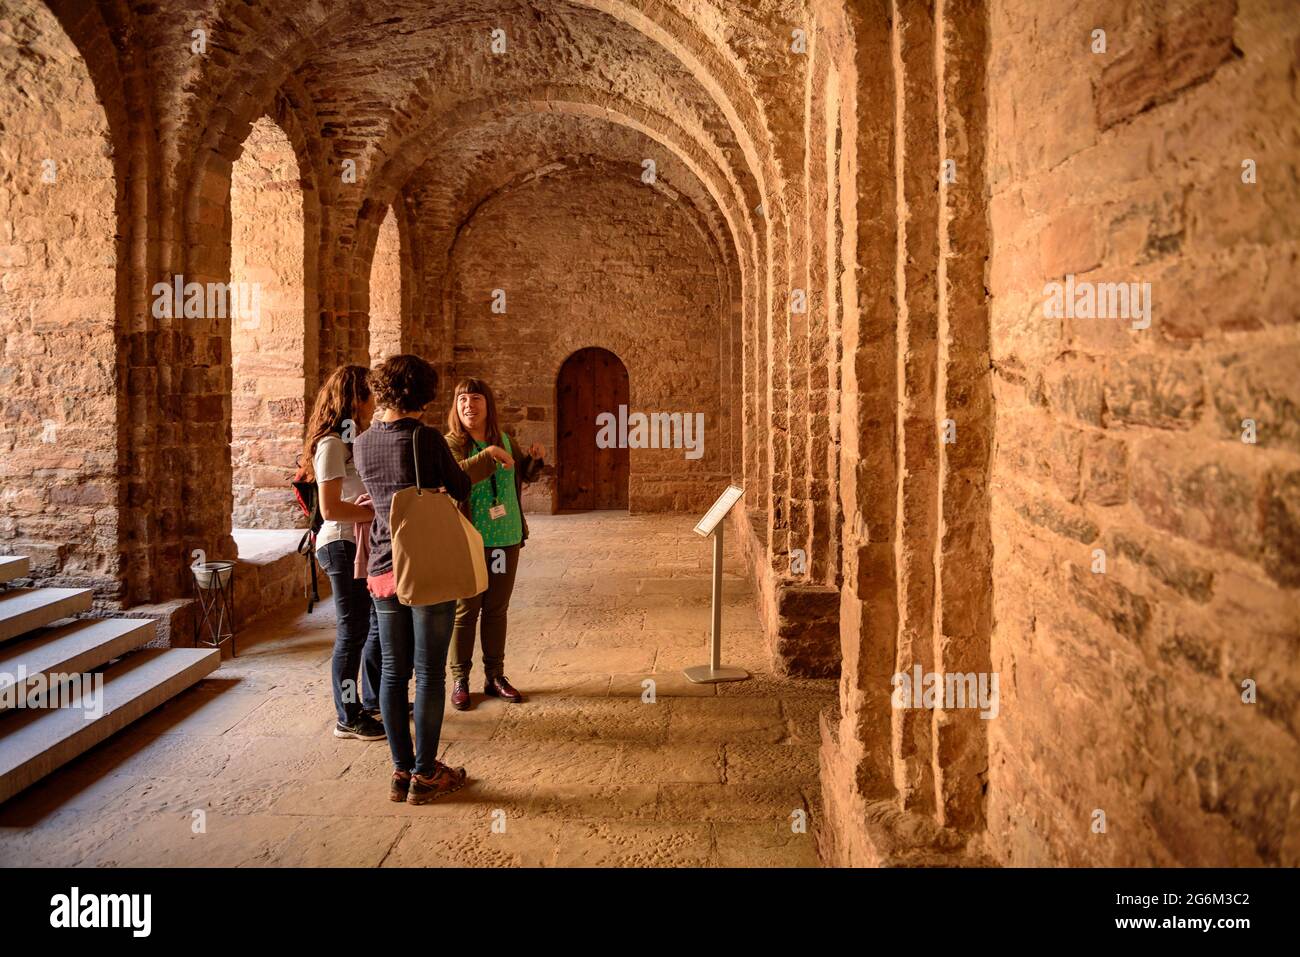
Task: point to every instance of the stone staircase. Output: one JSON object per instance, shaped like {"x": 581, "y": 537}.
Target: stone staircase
{"x": 36, "y": 642}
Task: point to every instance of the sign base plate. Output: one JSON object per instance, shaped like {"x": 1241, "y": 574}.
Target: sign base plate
{"x": 703, "y": 674}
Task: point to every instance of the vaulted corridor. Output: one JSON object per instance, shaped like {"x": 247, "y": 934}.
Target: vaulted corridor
{"x": 988, "y": 307}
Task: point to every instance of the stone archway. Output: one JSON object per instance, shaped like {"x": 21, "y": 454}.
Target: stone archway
{"x": 59, "y": 390}
{"x": 591, "y": 476}
{"x": 386, "y": 292}
{"x": 266, "y": 330}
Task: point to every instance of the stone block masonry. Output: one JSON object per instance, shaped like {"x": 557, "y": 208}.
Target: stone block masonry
{"x": 640, "y": 266}
{"x": 1135, "y": 445}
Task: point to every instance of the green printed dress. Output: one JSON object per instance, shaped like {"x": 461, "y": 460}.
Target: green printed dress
{"x": 498, "y": 489}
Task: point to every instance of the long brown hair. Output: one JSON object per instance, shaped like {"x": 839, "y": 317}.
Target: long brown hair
{"x": 338, "y": 401}
{"x": 457, "y": 428}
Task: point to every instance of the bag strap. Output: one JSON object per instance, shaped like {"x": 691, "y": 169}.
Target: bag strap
{"x": 307, "y": 548}
{"x": 315, "y": 592}
{"x": 415, "y": 453}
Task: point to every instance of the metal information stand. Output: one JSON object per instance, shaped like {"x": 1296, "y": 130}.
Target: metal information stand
{"x": 711, "y": 524}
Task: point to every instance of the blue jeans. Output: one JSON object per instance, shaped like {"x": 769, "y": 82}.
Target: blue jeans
{"x": 357, "y": 639}
{"x": 414, "y": 638}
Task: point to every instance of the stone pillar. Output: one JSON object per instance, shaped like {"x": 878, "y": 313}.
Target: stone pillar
{"x": 964, "y": 599}
{"x": 916, "y": 540}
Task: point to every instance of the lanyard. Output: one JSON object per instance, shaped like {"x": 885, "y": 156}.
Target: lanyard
{"x": 496, "y": 499}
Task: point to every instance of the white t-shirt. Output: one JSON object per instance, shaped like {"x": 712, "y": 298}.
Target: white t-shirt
{"x": 332, "y": 461}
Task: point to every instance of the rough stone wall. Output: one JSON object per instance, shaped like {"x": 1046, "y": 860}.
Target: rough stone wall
{"x": 59, "y": 490}
{"x": 1122, "y": 689}
{"x": 593, "y": 260}
{"x": 267, "y": 344}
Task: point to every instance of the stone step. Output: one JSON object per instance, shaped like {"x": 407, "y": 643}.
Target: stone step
{"x": 13, "y": 566}
{"x": 76, "y": 647}
{"x": 25, "y": 609}
{"x": 33, "y": 743}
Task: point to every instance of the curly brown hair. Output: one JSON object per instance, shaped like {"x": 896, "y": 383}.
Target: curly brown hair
{"x": 404, "y": 383}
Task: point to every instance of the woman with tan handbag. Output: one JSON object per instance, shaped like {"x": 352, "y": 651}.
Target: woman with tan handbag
{"x": 499, "y": 467}
{"x": 398, "y": 458}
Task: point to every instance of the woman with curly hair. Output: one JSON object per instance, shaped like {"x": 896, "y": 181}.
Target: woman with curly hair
{"x": 413, "y": 638}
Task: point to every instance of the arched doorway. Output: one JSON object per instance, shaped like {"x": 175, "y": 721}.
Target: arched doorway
{"x": 62, "y": 358}
{"x": 266, "y": 327}
{"x": 590, "y": 382}
{"x": 386, "y": 292}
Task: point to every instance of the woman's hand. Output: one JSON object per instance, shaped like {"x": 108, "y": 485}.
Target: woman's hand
{"x": 334, "y": 509}
{"x": 536, "y": 451}
{"x": 501, "y": 455}
{"x": 365, "y": 501}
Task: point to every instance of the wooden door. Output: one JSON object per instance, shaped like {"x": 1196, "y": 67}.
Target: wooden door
{"x": 591, "y": 381}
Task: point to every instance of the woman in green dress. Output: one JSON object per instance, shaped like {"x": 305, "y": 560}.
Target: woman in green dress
{"x": 498, "y": 467}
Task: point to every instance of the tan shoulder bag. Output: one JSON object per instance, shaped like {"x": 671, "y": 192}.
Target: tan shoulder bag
{"x": 437, "y": 552}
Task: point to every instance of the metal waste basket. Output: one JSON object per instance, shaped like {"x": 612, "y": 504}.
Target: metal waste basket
{"x": 214, "y": 585}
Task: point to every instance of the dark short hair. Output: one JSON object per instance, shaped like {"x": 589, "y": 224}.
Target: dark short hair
{"x": 404, "y": 383}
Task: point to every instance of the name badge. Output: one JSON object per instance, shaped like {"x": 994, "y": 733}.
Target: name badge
{"x": 497, "y": 511}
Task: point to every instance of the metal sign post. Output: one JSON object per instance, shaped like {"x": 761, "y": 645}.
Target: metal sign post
{"x": 711, "y": 524}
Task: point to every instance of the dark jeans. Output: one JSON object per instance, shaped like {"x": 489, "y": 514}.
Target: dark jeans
{"x": 414, "y": 638}
{"x": 488, "y": 610}
{"x": 357, "y": 640}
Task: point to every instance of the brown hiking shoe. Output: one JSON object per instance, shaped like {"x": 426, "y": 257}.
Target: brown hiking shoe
{"x": 444, "y": 780}
{"x": 399, "y": 787}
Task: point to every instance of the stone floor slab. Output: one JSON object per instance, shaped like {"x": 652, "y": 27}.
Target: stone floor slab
{"x": 726, "y": 720}
{"x": 323, "y": 842}
{"x": 676, "y": 763}
{"x": 202, "y": 712}
{"x": 760, "y": 762}
{"x": 619, "y": 844}
{"x": 170, "y": 840}
{"x": 602, "y": 719}
{"x": 524, "y": 843}
{"x": 764, "y": 845}
{"x": 587, "y": 660}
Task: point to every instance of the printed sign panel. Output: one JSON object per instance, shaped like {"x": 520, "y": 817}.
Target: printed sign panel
{"x": 718, "y": 511}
